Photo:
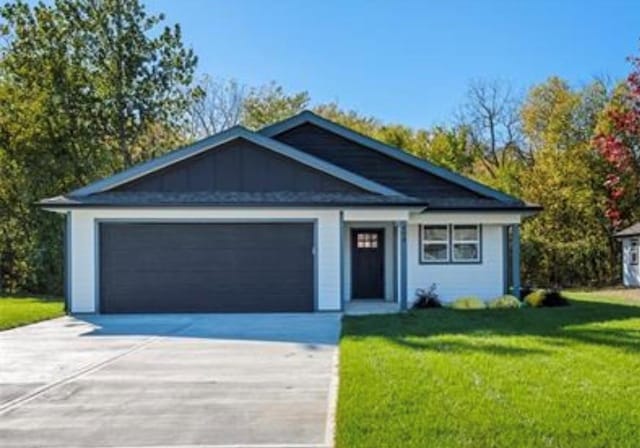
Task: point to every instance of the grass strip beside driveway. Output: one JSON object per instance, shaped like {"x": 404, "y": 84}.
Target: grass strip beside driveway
{"x": 16, "y": 311}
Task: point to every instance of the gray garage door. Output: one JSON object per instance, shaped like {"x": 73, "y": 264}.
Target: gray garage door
{"x": 204, "y": 267}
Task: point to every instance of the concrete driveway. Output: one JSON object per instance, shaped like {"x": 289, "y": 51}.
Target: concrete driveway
{"x": 170, "y": 381}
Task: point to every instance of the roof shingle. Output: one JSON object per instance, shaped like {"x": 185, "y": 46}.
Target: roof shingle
{"x": 229, "y": 198}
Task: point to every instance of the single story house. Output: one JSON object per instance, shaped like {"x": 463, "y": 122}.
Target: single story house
{"x": 302, "y": 215}
{"x": 630, "y": 238}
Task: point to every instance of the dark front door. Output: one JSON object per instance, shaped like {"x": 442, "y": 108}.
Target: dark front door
{"x": 367, "y": 263}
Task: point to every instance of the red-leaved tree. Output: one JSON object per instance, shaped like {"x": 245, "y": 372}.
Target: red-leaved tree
{"x": 618, "y": 142}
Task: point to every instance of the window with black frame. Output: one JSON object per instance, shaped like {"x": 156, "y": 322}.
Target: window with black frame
{"x": 455, "y": 243}
{"x": 435, "y": 244}
{"x": 466, "y": 243}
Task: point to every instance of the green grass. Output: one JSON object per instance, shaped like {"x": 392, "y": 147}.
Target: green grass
{"x": 17, "y": 311}
{"x": 548, "y": 377}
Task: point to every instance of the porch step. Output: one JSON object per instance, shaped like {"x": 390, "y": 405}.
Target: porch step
{"x": 364, "y": 307}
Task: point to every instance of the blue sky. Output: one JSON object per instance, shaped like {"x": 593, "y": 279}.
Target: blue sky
{"x": 406, "y": 61}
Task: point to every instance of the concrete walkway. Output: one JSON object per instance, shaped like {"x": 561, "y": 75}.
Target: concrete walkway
{"x": 170, "y": 381}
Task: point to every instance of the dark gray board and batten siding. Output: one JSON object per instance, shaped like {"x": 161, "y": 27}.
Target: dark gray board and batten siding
{"x": 206, "y": 267}
{"x": 239, "y": 166}
{"x": 371, "y": 164}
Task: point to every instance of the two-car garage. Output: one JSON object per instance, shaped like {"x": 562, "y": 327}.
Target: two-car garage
{"x": 177, "y": 267}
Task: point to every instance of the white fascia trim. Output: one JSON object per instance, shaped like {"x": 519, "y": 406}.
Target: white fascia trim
{"x": 310, "y": 117}
{"x": 208, "y": 143}
{"x": 60, "y": 210}
{"x": 479, "y": 217}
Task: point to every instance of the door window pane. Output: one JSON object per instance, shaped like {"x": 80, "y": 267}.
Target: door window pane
{"x": 367, "y": 241}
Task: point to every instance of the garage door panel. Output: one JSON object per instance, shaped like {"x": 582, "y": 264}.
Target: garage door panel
{"x": 233, "y": 263}
{"x": 267, "y": 285}
{"x": 246, "y": 267}
{"x": 157, "y": 260}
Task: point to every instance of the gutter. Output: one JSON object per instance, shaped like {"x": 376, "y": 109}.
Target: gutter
{"x": 65, "y": 207}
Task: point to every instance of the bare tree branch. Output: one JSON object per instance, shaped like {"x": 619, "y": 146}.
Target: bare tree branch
{"x": 217, "y": 105}
{"x": 491, "y": 113}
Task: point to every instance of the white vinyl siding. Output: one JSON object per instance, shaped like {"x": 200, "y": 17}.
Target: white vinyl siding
{"x": 83, "y": 244}
{"x": 483, "y": 279}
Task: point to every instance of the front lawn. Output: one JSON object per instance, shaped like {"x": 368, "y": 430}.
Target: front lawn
{"x": 16, "y": 311}
{"x": 551, "y": 377}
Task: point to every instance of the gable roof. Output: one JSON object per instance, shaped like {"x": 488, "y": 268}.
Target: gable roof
{"x": 212, "y": 142}
{"x": 384, "y": 175}
{"x": 633, "y": 230}
{"x": 390, "y": 151}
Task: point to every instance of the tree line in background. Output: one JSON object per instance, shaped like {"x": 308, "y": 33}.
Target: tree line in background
{"x": 90, "y": 87}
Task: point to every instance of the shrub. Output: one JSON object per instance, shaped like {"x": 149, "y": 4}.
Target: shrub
{"x": 553, "y": 297}
{"x": 535, "y": 298}
{"x": 542, "y": 297}
{"x": 427, "y": 298}
{"x": 506, "y": 301}
{"x": 468, "y": 303}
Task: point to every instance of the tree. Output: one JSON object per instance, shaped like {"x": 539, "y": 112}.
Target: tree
{"x": 491, "y": 114}
{"x": 86, "y": 87}
{"x": 618, "y": 141}
{"x": 143, "y": 73}
{"x": 217, "y": 105}
{"x": 568, "y": 243}
{"x": 450, "y": 148}
{"x": 267, "y": 104}
{"x": 363, "y": 124}
{"x": 447, "y": 147}
{"x": 220, "y": 104}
